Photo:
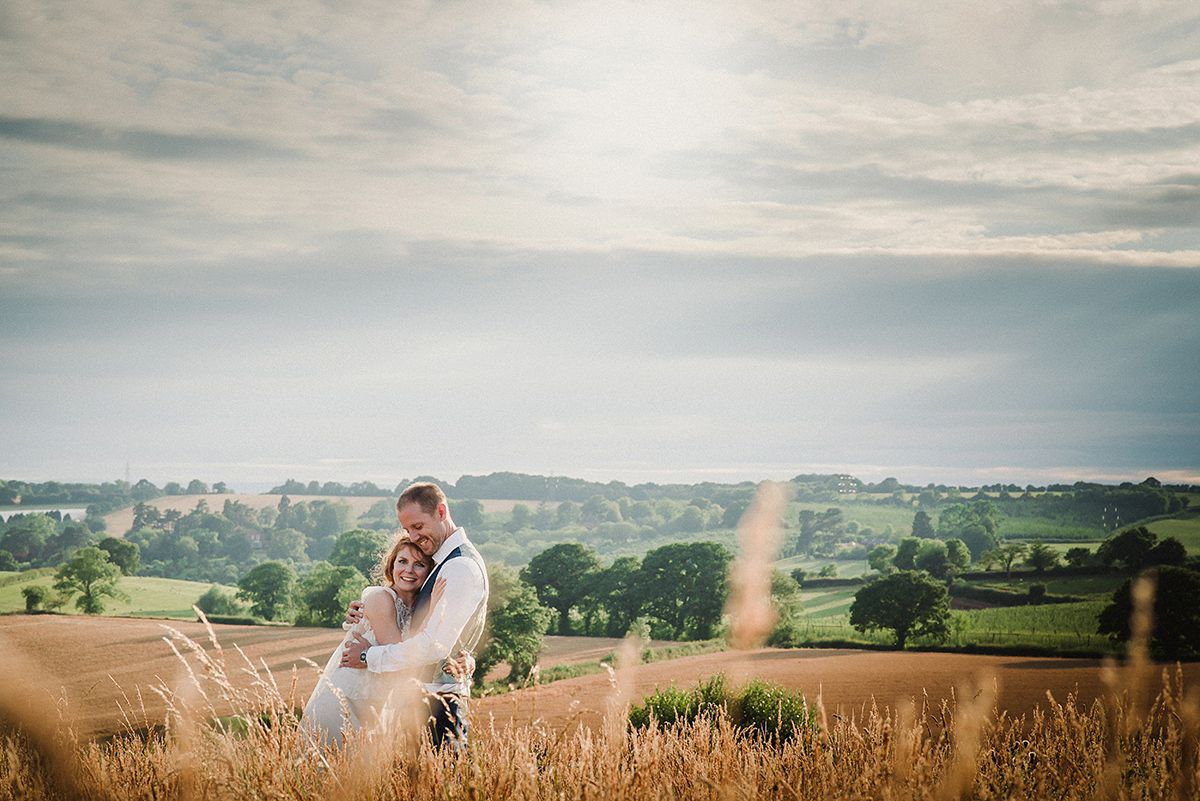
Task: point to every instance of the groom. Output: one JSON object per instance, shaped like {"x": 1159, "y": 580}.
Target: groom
{"x": 455, "y": 623}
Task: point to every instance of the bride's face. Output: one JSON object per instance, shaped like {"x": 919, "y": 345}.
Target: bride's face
{"x": 409, "y": 570}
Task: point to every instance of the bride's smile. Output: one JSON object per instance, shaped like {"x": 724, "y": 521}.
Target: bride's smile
{"x": 408, "y": 572}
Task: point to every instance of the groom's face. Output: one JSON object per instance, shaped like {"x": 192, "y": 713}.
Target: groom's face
{"x": 427, "y": 531}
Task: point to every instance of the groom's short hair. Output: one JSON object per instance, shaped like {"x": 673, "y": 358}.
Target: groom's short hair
{"x": 425, "y": 494}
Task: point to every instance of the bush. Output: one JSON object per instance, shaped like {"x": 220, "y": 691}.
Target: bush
{"x": 773, "y": 711}
{"x": 761, "y": 707}
{"x": 34, "y": 595}
{"x": 216, "y": 601}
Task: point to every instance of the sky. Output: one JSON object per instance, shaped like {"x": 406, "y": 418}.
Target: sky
{"x": 948, "y": 241}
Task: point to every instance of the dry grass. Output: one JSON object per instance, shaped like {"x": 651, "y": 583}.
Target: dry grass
{"x": 1128, "y": 746}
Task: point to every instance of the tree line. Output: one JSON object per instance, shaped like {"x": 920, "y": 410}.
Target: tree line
{"x": 97, "y": 499}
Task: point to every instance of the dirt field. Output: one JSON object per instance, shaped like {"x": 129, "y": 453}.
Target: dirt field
{"x": 99, "y": 665}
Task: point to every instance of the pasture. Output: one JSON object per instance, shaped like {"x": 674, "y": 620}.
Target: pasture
{"x": 148, "y": 596}
{"x": 1185, "y": 528}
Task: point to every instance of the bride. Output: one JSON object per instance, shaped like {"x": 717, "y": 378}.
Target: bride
{"x": 347, "y": 699}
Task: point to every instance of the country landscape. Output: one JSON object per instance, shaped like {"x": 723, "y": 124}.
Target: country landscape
{"x": 815, "y": 383}
{"x": 128, "y": 665}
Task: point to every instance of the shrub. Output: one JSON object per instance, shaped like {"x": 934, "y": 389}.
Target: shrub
{"x": 34, "y": 595}
{"x": 216, "y": 601}
{"x": 761, "y": 707}
{"x": 773, "y": 711}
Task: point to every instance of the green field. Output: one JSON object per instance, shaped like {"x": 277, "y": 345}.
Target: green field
{"x": 1066, "y": 627}
{"x": 1027, "y": 528}
{"x": 1185, "y": 528}
{"x": 847, "y": 568}
{"x": 828, "y": 603}
{"x": 867, "y": 515}
{"x": 148, "y": 596}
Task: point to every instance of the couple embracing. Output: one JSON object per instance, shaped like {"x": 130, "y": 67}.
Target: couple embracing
{"x": 421, "y": 623}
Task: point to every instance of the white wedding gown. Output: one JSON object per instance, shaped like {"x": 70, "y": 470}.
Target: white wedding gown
{"x": 350, "y": 698}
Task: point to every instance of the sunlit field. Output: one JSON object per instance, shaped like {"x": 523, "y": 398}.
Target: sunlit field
{"x": 225, "y": 738}
{"x": 146, "y": 596}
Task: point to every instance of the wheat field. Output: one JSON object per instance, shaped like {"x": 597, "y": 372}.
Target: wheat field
{"x": 1126, "y": 745}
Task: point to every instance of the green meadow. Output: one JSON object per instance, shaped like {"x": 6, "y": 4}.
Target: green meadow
{"x": 148, "y": 596}
{"x": 1185, "y": 528}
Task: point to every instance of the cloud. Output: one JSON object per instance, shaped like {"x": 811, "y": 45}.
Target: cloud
{"x": 707, "y": 234}
{"x": 140, "y": 144}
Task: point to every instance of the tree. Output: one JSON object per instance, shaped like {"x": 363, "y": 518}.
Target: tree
{"x": 598, "y": 509}
{"x": 91, "y": 575}
{"x": 932, "y": 558}
{"x": 957, "y": 554}
{"x": 326, "y": 592}
{"x": 144, "y": 491}
{"x": 268, "y": 587}
{"x": 522, "y": 517}
{"x": 331, "y": 518}
{"x": 691, "y": 520}
{"x": 1077, "y": 556}
{"x": 785, "y": 598}
{"x": 974, "y": 523}
{"x": 922, "y": 527}
{"x": 567, "y": 514}
{"x": 1040, "y": 556}
{"x": 467, "y": 513}
{"x": 516, "y": 623}
{"x": 1176, "y": 633}
{"x": 25, "y": 538}
{"x": 615, "y": 590}
{"x": 287, "y": 544}
{"x": 561, "y": 576}
{"x": 1130, "y": 547}
{"x": 197, "y": 487}
{"x": 1168, "y": 551}
{"x": 122, "y": 553}
{"x": 812, "y": 523}
{"x": 907, "y": 602}
{"x": 360, "y": 549}
{"x": 906, "y": 553}
{"x": 1005, "y": 555}
{"x": 685, "y": 585}
{"x": 880, "y": 558}
{"x": 61, "y": 546}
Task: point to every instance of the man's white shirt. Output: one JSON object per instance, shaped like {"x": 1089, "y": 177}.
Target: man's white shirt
{"x": 466, "y": 585}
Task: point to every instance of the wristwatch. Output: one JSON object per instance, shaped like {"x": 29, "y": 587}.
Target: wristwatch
{"x": 362, "y": 657}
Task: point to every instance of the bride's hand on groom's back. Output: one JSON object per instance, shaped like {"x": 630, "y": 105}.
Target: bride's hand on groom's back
{"x": 354, "y": 612}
